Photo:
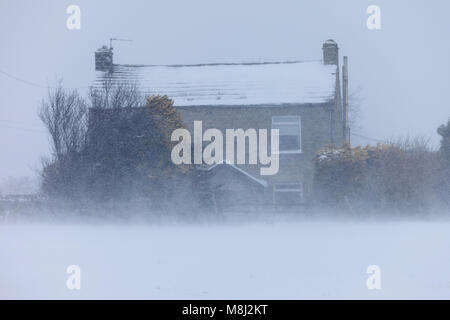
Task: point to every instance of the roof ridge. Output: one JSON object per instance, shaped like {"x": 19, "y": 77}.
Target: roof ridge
{"x": 218, "y": 64}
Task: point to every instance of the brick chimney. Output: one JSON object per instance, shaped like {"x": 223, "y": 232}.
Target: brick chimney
{"x": 104, "y": 59}
{"x": 330, "y": 52}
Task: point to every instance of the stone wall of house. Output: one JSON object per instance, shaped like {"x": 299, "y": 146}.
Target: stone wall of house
{"x": 316, "y": 132}
{"x": 318, "y": 129}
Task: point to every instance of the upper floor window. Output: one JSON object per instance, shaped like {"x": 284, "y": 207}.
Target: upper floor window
{"x": 290, "y": 133}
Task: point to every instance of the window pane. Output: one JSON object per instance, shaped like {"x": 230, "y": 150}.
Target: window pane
{"x": 288, "y": 186}
{"x": 285, "y": 119}
{"x": 289, "y": 143}
{"x": 289, "y": 130}
{"x": 288, "y": 198}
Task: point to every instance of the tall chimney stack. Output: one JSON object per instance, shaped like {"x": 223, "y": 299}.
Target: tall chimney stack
{"x": 330, "y": 52}
{"x": 104, "y": 59}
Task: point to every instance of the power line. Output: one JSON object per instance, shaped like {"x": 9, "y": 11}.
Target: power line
{"x": 8, "y": 126}
{"x": 22, "y": 80}
{"x": 368, "y": 138}
{"x": 50, "y": 87}
{"x": 36, "y": 84}
{"x": 19, "y": 123}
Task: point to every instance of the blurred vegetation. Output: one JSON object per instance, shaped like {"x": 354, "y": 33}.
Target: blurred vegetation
{"x": 113, "y": 149}
{"x": 403, "y": 177}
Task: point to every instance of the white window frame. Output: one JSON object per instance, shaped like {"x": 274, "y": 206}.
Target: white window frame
{"x": 298, "y": 122}
{"x": 295, "y": 187}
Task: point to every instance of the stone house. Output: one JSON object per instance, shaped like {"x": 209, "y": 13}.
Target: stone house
{"x": 306, "y": 100}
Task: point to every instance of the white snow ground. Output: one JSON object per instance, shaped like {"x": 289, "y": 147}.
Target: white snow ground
{"x": 301, "y": 260}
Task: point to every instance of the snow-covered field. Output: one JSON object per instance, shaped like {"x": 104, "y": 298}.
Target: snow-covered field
{"x": 298, "y": 260}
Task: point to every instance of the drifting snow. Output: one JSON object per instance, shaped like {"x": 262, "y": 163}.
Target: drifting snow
{"x": 269, "y": 261}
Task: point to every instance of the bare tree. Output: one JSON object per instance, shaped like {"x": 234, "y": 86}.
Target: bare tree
{"x": 355, "y": 101}
{"x": 444, "y": 132}
{"x": 64, "y": 114}
{"x": 114, "y": 94}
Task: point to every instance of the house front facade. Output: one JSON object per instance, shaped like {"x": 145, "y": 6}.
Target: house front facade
{"x": 306, "y": 101}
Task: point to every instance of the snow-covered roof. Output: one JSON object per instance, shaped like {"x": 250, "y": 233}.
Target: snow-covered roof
{"x": 233, "y": 84}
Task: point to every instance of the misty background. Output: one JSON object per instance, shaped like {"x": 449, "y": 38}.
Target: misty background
{"x": 403, "y": 69}
{"x": 403, "y": 72}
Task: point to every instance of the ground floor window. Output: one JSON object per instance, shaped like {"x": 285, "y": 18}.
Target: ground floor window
{"x": 288, "y": 193}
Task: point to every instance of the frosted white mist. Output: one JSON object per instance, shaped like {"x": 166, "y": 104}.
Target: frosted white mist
{"x": 324, "y": 260}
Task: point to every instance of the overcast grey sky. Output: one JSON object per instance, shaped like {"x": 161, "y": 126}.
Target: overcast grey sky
{"x": 403, "y": 68}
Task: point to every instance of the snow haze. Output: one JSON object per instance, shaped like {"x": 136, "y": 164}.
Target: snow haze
{"x": 301, "y": 260}
{"x": 401, "y": 75}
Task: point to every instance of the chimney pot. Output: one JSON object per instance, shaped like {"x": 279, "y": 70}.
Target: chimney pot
{"x": 104, "y": 59}
{"x": 330, "y": 52}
